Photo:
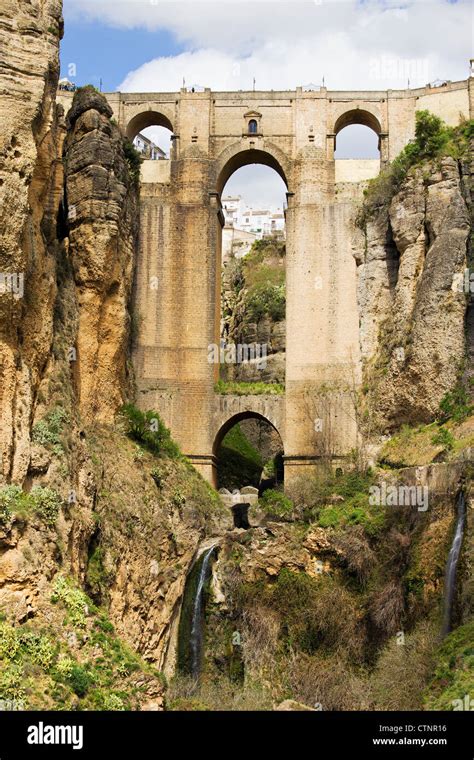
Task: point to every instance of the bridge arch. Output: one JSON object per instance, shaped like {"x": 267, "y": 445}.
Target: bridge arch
{"x": 357, "y": 116}
{"x": 145, "y": 119}
{"x": 234, "y": 420}
{"x": 237, "y": 477}
{"x": 364, "y": 139}
{"x": 236, "y": 156}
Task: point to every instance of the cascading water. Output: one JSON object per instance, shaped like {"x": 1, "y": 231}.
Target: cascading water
{"x": 452, "y": 563}
{"x": 190, "y": 636}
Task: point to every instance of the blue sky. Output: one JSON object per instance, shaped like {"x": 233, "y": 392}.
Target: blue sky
{"x": 99, "y": 50}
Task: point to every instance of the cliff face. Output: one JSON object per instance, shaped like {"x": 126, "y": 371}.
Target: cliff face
{"x": 412, "y": 255}
{"x": 30, "y": 184}
{"x": 77, "y": 501}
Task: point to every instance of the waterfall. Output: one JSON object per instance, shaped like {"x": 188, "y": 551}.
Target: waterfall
{"x": 190, "y": 636}
{"x": 452, "y": 563}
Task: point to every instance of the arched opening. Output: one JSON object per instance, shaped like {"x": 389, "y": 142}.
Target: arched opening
{"x": 246, "y": 157}
{"x": 252, "y": 283}
{"x": 152, "y": 134}
{"x": 249, "y": 452}
{"x": 356, "y": 146}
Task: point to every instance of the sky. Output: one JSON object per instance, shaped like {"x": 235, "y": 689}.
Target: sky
{"x": 155, "y": 45}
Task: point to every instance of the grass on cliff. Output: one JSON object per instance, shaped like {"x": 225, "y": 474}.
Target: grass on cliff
{"x": 49, "y": 431}
{"x": 424, "y": 444}
{"x": 75, "y": 661}
{"x": 236, "y": 388}
{"x": 452, "y": 683}
{"x": 338, "y": 500}
{"x": 433, "y": 139}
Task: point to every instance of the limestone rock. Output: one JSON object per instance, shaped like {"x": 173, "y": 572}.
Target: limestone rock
{"x": 30, "y": 189}
{"x": 412, "y": 315}
{"x": 102, "y": 213}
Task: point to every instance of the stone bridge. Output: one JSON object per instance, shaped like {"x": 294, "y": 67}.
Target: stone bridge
{"x": 177, "y": 288}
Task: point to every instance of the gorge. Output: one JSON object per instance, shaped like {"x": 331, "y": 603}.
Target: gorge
{"x": 115, "y": 428}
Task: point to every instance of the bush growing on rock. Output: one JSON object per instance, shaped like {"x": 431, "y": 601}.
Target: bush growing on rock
{"x": 42, "y": 501}
{"x": 148, "y": 429}
{"x": 48, "y": 431}
{"x": 276, "y": 504}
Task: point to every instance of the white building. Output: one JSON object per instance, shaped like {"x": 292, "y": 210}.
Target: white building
{"x": 260, "y": 222}
{"x": 147, "y": 148}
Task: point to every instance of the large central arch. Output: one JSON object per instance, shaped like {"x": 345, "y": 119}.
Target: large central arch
{"x": 236, "y": 156}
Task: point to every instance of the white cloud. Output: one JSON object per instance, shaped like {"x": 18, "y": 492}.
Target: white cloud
{"x": 259, "y": 186}
{"x": 371, "y": 44}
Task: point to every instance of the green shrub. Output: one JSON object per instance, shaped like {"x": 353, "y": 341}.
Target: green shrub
{"x": 46, "y": 503}
{"x": 9, "y": 642}
{"x": 148, "y": 429}
{"x": 158, "y": 476}
{"x": 178, "y": 498}
{"x": 109, "y": 701}
{"x": 12, "y": 498}
{"x": 48, "y": 431}
{"x": 76, "y": 602}
{"x": 443, "y": 437}
{"x": 133, "y": 159}
{"x": 80, "y": 680}
{"x": 38, "y": 648}
{"x": 276, "y": 503}
{"x": 456, "y": 405}
{"x": 97, "y": 577}
{"x": 266, "y": 300}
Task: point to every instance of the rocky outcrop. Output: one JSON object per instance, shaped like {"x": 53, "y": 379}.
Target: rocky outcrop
{"x": 102, "y": 203}
{"x": 412, "y": 310}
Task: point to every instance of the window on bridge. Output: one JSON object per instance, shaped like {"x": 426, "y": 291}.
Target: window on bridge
{"x": 253, "y": 300}
{"x": 250, "y": 454}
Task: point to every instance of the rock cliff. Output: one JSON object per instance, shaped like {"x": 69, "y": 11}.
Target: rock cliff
{"x": 31, "y": 132}
{"x": 81, "y": 506}
{"x": 411, "y": 259}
